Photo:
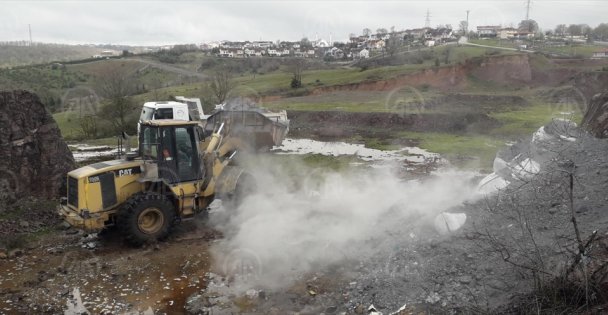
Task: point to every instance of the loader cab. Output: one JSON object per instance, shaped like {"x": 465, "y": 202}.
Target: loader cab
{"x": 170, "y": 152}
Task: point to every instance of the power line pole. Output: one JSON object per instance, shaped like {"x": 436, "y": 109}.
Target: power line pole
{"x": 428, "y": 19}
{"x": 528, "y": 9}
{"x": 466, "y": 31}
{"x": 30, "y": 28}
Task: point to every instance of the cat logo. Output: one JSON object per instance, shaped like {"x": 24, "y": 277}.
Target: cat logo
{"x": 125, "y": 172}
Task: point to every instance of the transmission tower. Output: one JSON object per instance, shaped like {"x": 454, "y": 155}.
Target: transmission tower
{"x": 528, "y": 4}
{"x": 466, "y": 31}
{"x": 427, "y": 22}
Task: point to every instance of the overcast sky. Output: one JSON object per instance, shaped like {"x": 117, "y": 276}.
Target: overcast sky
{"x": 174, "y": 22}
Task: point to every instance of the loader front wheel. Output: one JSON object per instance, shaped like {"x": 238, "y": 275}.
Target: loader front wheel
{"x": 245, "y": 186}
{"x": 146, "y": 218}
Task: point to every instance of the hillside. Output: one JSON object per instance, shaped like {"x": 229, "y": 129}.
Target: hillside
{"x": 509, "y": 93}
{"x": 41, "y": 53}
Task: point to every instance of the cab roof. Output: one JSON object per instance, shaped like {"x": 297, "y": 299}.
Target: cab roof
{"x": 168, "y": 122}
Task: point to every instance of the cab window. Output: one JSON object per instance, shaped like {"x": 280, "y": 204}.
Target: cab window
{"x": 163, "y": 113}
{"x": 150, "y": 143}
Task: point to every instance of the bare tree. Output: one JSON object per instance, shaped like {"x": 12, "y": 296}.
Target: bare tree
{"x": 116, "y": 86}
{"x": 381, "y": 31}
{"x": 529, "y": 26}
{"x": 463, "y": 26}
{"x": 601, "y": 32}
{"x": 296, "y": 67}
{"x": 393, "y": 44}
{"x": 575, "y": 30}
{"x": 366, "y": 32}
{"x": 221, "y": 84}
{"x": 305, "y": 43}
{"x": 88, "y": 126}
{"x": 561, "y": 29}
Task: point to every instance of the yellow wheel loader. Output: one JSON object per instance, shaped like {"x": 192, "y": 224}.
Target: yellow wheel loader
{"x": 177, "y": 171}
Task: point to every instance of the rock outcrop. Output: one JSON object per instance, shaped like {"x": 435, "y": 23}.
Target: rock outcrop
{"x": 596, "y": 117}
{"x": 33, "y": 155}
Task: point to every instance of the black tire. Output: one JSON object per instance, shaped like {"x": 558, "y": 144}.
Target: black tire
{"x": 145, "y": 218}
{"x": 245, "y": 186}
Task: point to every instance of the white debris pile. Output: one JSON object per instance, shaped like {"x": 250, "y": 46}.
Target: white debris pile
{"x": 521, "y": 161}
{"x": 308, "y": 146}
{"x": 83, "y": 152}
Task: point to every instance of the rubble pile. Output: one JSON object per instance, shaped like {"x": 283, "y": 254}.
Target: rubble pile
{"x": 596, "y": 118}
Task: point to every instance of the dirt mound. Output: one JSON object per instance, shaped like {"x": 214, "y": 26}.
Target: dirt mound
{"x": 591, "y": 83}
{"x": 510, "y": 69}
{"x": 33, "y": 156}
{"x": 596, "y": 117}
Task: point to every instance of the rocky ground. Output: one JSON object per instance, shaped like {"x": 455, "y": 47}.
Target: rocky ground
{"x": 514, "y": 236}
{"x": 414, "y": 269}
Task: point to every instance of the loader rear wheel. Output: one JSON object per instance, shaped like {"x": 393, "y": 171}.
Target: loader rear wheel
{"x": 146, "y": 218}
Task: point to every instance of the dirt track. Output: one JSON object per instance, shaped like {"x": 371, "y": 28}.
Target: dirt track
{"x": 110, "y": 276}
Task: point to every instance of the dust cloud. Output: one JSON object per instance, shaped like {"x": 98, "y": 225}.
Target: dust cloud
{"x": 308, "y": 220}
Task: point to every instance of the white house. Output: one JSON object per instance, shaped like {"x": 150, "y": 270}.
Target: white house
{"x": 273, "y": 53}
{"x": 364, "y": 54}
{"x": 488, "y": 30}
{"x": 507, "y": 33}
{"x": 226, "y": 53}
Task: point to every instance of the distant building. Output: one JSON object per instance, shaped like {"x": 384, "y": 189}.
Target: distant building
{"x": 321, "y": 43}
{"x": 507, "y": 33}
{"x": 488, "y": 31}
{"x": 364, "y": 54}
{"x": 600, "y": 54}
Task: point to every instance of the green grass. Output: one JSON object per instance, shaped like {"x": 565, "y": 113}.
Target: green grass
{"x": 69, "y": 124}
{"x": 494, "y": 42}
{"x": 576, "y": 50}
{"x": 524, "y": 121}
{"x": 469, "y": 151}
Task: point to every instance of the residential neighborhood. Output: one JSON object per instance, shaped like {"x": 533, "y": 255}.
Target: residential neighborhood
{"x": 526, "y": 35}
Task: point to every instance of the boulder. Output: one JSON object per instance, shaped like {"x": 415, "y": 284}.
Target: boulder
{"x": 596, "y": 118}
{"x": 34, "y": 158}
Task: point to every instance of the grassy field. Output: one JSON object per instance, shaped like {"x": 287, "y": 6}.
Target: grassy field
{"x": 469, "y": 150}
{"x": 69, "y": 124}
{"x": 573, "y": 50}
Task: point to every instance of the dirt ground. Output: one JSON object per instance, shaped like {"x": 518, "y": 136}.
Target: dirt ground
{"x": 110, "y": 277}
{"x": 69, "y": 272}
